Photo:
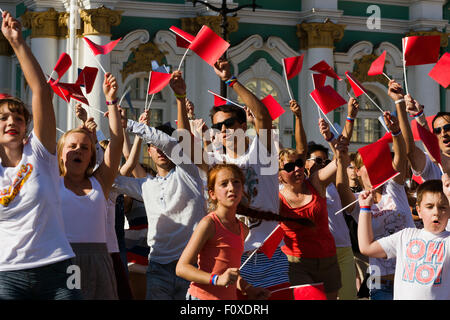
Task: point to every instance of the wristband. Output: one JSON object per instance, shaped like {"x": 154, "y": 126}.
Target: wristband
{"x": 394, "y": 134}
{"x": 213, "y": 279}
{"x": 365, "y": 208}
{"x": 418, "y": 114}
{"x": 331, "y": 138}
{"x": 231, "y": 82}
{"x": 180, "y": 96}
{"x": 350, "y": 119}
{"x": 108, "y": 103}
{"x": 399, "y": 101}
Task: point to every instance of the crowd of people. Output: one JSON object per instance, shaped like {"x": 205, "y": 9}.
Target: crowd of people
{"x": 196, "y": 220}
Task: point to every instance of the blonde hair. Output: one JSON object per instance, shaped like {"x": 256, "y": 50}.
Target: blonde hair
{"x": 60, "y": 147}
{"x": 284, "y": 154}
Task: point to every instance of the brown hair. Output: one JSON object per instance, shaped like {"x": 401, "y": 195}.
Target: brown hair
{"x": 17, "y": 106}
{"x": 60, "y": 146}
{"x": 212, "y": 176}
{"x": 429, "y": 186}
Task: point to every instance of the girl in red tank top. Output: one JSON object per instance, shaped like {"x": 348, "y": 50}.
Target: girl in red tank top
{"x": 217, "y": 243}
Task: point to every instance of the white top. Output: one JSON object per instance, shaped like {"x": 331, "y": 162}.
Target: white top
{"x": 336, "y": 222}
{"x": 31, "y": 227}
{"x": 261, "y": 185}
{"x": 84, "y": 216}
{"x": 111, "y": 237}
{"x": 430, "y": 172}
{"x": 423, "y": 264}
{"x": 174, "y": 204}
{"x": 390, "y": 215}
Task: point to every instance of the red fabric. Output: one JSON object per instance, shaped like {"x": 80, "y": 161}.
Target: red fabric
{"x": 138, "y": 259}
{"x": 417, "y": 179}
{"x": 218, "y": 101}
{"x": 387, "y": 137}
{"x": 377, "y": 65}
{"x": 430, "y": 141}
{"x": 208, "y": 45}
{"x": 414, "y": 126}
{"x": 307, "y": 242}
{"x": 158, "y": 81}
{"x": 275, "y": 109}
{"x": 87, "y": 78}
{"x": 378, "y": 162}
{"x": 419, "y": 50}
{"x": 357, "y": 87}
{"x": 224, "y": 250}
{"x": 62, "y": 65}
{"x": 441, "y": 71}
{"x": 271, "y": 243}
{"x": 101, "y": 49}
{"x": 310, "y": 292}
{"x": 319, "y": 80}
{"x": 327, "y": 98}
{"x": 69, "y": 91}
{"x": 293, "y": 66}
{"x": 5, "y": 96}
{"x": 323, "y": 67}
{"x": 184, "y": 39}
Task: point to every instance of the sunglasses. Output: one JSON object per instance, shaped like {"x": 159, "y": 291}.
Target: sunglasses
{"x": 444, "y": 128}
{"x": 319, "y": 161}
{"x": 227, "y": 123}
{"x": 290, "y": 166}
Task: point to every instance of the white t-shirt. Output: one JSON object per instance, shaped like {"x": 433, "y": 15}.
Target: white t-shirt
{"x": 261, "y": 185}
{"x": 84, "y": 216}
{"x": 423, "y": 264}
{"x": 390, "y": 215}
{"x": 430, "y": 172}
{"x": 336, "y": 222}
{"x": 31, "y": 226}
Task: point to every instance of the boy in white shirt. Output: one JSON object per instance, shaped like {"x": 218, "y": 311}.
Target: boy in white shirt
{"x": 422, "y": 267}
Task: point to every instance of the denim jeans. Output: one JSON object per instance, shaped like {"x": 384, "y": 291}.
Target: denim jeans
{"x": 385, "y": 292}
{"x": 163, "y": 283}
{"x": 43, "y": 283}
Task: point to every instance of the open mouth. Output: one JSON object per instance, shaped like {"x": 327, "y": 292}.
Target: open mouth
{"x": 12, "y": 132}
{"x": 446, "y": 141}
{"x": 77, "y": 160}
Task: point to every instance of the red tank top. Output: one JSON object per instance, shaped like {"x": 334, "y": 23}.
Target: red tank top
{"x": 222, "y": 251}
{"x": 307, "y": 242}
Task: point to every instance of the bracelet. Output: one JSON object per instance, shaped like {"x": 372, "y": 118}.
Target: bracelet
{"x": 394, "y": 134}
{"x": 213, "y": 279}
{"x": 350, "y": 119}
{"x": 331, "y": 138}
{"x": 180, "y": 96}
{"x": 399, "y": 101}
{"x": 108, "y": 103}
{"x": 231, "y": 82}
{"x": 418, "y": 114}
{"x": 365, "y": 208}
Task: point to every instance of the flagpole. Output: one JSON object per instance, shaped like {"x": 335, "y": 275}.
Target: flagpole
{"x": 287, "y": 83}
{"x": 150, "y": 103}
{"x": 323, "y": 114}
{"x": 124, "y": 94}
{"x": 256, "y": 250}
{"x": 238, "y": 105}
{"x": 404, "y": 65}
{"x": 387, "y": 76}
{"x": 298, "y": 286}
{"x": 382, "y": 111}
{"x": 182, "y": 59}
{"x": 58, "y": 129}
{"x": 148, "y": 87}
{"x": 349, "y": 205}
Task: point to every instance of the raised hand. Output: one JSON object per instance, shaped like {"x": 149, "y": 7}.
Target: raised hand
{"x": 324, "y": 129}
{"x": 391, "y": 122}
{"x": 222, "y": 69}
{"x": 145, "y": 117}
{"x": 230, "y": 276}
{"x": 177, "y": 83}
{"x": 11, "y": 28}
{"x": 365, "y": 198}
{"x": 81, "y": 112}
{"x": 110, "y": 87}
{"x": 295, "y": 108}
{"x": 395, "y": 90}
{"x": 412, "y": 106}
{"x": 352, "y": 108}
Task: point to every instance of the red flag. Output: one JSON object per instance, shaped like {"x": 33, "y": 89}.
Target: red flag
{"x": 417, "y": 179}
{"x": 275, "y": 109}
{"x": 357, "y": 87}
{"x": 441, "y": 71}
{"x": 414, "y": 126}
{"x": 378, "y": 161}
{"x": 387, "y": 137}
{"x": 323, "y": 67}
{"x": 62, "y": 65}
{"x": 377, "y": 65}
{"x": 218, "y": 101}
{"x": 61, "y": 92}
{"x": 327, "y": 98}
{"x": 157, "y": 81}
{"x": 68, "y": 91}
{"x": 101, "y": 49}
{"x": 272, "y": 241}
{"x": 208, "y": 45}
{"x": 310, "y": 292}
{"x": 87, "y": 78}
{"x": 319, "y": 80}
{"x": 430, "y": 141}
{"x": 293, "y": 66}
{"x": 184, "y": 39}
{"x": 419, "y": 50}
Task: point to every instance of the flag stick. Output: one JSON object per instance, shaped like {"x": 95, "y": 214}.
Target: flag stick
{"x": 287, "y": 83}
{"x": 123, "y": 95}
{"x": 182, "y": 59}
{"x": 349, "y": 205}
{"x": 331, "y": 124}
{"x": 440, "y": 167}
{"x": 98, "y": 110}
{"x": 256, "y": 250}
{"x": 150, "y": 103}
{"x": 238, "y": 105}
{"x": 1, "y": 11}
{"x": 299, "y": 286}
{"x": 404, "y": 64}
{"x": 382, "y": 111}
{"x": 148, "y": 88}
{"x": 387, "y": 76}
{"x": 50, "y": 76}
{"x": 58, "y": 129}
{"x": 98, "y": 62}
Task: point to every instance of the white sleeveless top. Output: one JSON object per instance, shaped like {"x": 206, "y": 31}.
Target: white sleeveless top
{"x": 85, "y": 217}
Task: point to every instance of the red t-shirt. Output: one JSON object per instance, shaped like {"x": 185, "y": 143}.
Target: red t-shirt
{"x": 307, "y": 242}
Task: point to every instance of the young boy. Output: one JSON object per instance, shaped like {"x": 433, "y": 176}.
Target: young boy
{"x": 422, "y": 267}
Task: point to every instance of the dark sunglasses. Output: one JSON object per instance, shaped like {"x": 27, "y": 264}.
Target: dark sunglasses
{"x": 227, "y": 123}
{"x": 290, "y": 166}
{"x": 439, "y": 129}
{"x": 320, "y": 161}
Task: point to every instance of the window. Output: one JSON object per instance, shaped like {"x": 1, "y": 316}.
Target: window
{"x": 367, "y": 127}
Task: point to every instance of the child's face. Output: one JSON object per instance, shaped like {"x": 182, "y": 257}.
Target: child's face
{"x": 13, "y": 126}
{"x": 227, "y": 189}
{"x": 434, "y": 211}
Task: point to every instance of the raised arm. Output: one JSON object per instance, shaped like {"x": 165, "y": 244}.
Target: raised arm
{"x": 352, "y": 112}
{"x": 131, "y": 165}
{"x": 400, "y": 161}
{"x": 367, "y": 245}
{"x": 259, "y": 110}
{"x": 301, "y": 144}
{"x": 107, "y": 171}
{"x": 42, "y": 106}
